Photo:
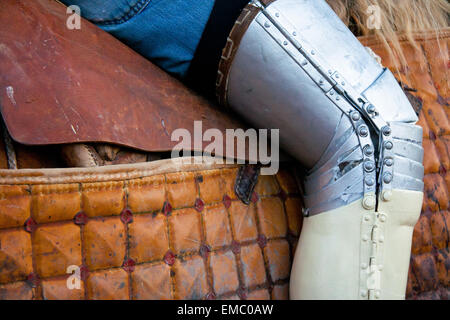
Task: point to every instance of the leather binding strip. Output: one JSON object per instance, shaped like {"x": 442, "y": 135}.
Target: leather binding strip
{"x": 202, "y": 72}
{"x": 234, "y": 39}
{"x": 246, "y": 180}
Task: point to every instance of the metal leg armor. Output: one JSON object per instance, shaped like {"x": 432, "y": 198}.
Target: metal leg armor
{"x": 293, "y": 65}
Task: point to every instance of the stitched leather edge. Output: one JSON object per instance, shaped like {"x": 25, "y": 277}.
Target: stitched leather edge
{"x": 108, "y": 173}
{"x": 241, "y": 25}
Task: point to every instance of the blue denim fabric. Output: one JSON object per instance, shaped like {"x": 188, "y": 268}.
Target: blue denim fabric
{"x": 166, "y": 32}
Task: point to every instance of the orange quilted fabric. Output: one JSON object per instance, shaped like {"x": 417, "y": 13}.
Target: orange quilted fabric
{"x": 181, "y": 235}
{"x": 428, "y": 74}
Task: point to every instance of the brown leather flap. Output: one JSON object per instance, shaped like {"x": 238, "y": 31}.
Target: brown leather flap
{"x": 64, "y": 86}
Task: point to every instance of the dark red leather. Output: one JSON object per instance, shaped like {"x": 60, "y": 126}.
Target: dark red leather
{"x": 86, "y": 86}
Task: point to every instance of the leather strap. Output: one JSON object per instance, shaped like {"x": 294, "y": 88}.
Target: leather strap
{"x": 246, "y": 181}
{"x": 234, "y": 39}
{"x": 203, "y": 68}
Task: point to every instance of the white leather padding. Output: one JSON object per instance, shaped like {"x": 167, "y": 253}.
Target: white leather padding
{"x": 327, "y": 261}
{"x": 403, "y": 212}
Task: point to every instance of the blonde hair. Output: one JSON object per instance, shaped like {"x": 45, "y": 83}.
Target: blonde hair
{"x": 394, "y": 17}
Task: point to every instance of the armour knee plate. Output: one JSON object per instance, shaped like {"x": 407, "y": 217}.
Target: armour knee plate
{"x": 293, "y": 65}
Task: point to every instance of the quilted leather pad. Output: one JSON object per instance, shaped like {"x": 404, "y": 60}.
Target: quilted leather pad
{"x": 181, "y": 235}
{"x": 428, "y": 75}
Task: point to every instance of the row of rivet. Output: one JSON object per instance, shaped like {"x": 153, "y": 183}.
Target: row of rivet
{"x": 386, "y": 163}
{"x": 283, "y": 25}
{"x": 292, "y": 47}
{"x": 360, "y": 126}
{"x": 359, "y": 102}
{"x": 334, "y": 78}
{"x": 369, "y": 165}
{"x": 386, "y": 159}
{"x": 372, "y": 255}
{"x": 365, "y": 141}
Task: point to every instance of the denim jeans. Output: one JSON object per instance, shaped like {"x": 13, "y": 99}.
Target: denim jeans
{"x": 166, "y": 32}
